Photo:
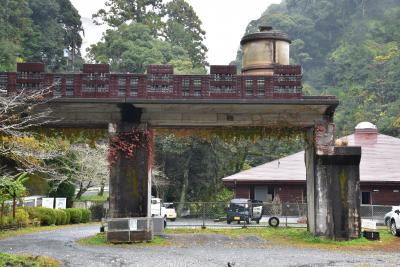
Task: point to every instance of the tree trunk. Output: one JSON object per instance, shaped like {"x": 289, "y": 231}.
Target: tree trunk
{"x": 2, "y": 213}
{"x": 185, "y": 184}
{"x": 14, "y": 206}
{"x": 101, "y": 193}
{"x": 82, "y": 190}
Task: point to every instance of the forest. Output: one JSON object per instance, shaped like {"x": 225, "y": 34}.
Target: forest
{"x": 348, "y": 48}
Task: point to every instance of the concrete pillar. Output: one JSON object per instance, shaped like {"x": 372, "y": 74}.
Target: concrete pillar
{"x": 130, "y": 156}
{"x": 333, "y": 185}
{"x": 130, "y": 175}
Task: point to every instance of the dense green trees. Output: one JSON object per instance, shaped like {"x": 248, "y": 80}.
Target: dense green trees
{"x": 183, "y": 28}
{"x": 194, "y": 165}
{"x": 131, "y": 47}
{"x": 38, "y": 30}
{"x": 349, "y": 49}
{"x": 150, "y": 32}
{"x": 118, "y": 12}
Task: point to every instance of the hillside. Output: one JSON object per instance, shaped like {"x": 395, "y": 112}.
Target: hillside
{"x": 348, "y": 48}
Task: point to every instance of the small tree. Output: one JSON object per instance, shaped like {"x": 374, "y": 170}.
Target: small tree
{"x": 12, "y": 188}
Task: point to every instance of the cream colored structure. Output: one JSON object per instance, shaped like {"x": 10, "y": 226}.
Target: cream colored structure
{"x": 264, "y": 49}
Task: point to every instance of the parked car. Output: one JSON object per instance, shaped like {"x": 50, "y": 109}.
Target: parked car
{"x": 242, "y": 209}
{"x": 170, "y": 211}
{"x": 392, "y": 220}
{"x": 157, "y": 209}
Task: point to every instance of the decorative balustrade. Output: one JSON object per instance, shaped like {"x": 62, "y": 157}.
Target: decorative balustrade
{"x": 95, "y": 81}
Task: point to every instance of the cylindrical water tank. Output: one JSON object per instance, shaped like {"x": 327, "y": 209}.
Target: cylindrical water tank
{"x": 264, "y": 49}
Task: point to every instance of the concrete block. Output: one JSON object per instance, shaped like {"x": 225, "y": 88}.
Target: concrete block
{"x": 126, "y": 230}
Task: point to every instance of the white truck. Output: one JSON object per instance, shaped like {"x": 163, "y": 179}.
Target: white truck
{"x": 157, "y": 209}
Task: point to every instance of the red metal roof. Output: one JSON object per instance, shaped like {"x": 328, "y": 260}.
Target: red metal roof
{"x": 380, "y": 162}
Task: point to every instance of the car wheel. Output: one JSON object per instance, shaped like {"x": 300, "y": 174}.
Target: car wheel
{"x": 172, "y": 220}
{"x": 273, "y": 221}
{"x": 393, "y": 229}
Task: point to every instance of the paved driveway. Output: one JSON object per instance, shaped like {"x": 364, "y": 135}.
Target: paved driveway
{"x": 188, "y": 250}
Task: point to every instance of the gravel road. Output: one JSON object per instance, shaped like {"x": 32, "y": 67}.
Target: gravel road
{"x": 187, "y": 250}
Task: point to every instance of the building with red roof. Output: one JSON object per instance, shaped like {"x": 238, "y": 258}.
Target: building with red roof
{"x": 286, "y": 177}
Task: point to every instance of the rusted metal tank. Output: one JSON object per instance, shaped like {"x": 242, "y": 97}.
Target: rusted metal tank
{"x": 263, "y": 50}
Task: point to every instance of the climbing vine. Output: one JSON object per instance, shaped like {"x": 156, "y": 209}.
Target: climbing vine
{"x": 231, "y": 134}
{"x": 127, "y": 143}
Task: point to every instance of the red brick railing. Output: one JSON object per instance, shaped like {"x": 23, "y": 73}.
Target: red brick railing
{"x": 159, "y": 83}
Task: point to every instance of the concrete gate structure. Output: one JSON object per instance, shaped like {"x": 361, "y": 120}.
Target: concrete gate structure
{"x": 268, "y": 94}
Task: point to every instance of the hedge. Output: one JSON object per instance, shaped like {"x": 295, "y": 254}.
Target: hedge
{"x": 86, "y": 215}
{"x": 46, "y": 216}
{"x": 75, "y": 215}
{"x": 68, "y": 219}
{"x": 61, "y": 217}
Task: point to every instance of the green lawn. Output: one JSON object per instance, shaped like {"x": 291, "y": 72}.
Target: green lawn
{"x": 94, "y": 198}
{"x": 292, "y": 236}
{"x": 100, "y": 240}
{"x": 27, "y": 261}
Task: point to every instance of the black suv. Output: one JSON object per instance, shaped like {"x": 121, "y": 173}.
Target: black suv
{"x": 242, "y": 209}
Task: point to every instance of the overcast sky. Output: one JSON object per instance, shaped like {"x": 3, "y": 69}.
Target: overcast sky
{"x": 224, "y": 21}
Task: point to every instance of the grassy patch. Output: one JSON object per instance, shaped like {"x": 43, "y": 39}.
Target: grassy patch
{"x": 291, "y": 236}
{"x": 94, "y": 198}
{"x": 100, "y": 240}
{"x": 30, "y": 230}
{"x": 27, "y": 261}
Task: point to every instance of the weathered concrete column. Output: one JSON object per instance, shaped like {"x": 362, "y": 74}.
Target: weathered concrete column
{"x": 130, "y": 159}
{"x": 333, "y": 185}
{"x": 130, "y": 174}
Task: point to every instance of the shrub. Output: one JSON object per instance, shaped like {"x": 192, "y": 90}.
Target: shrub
{"x": 61, "y": 217}
{"x": 97, "y": 211}
{"x": 75, "y": 215}
{"x": 86, "y": 215}
{"x": 68, "y": 218}
{"x": 7, "y": 220}
{"x": 22, "y": 216}
{"x": 46, "y": 216}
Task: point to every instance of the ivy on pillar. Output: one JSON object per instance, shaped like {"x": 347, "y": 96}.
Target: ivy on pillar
{"x": 130, "y": 157}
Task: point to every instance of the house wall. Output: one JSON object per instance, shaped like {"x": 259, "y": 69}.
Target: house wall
{"x": 287, "y": 193}
{"x": 242, "y": 191}
{"x": 295, "y": 193}
{"x": 291, "y": 193}
{"x": 384, "y": 195}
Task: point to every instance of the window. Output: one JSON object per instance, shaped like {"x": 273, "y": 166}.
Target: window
{"x": 121, "y": 86}
{"x": 366, "y": 198}
{"x": 102, "y": 88}
{"x": 69, "y": 86}
{"x": 3, "y": 80}
{"x": 134, "y": 86}
{"x": 185, "y": 87}
{"x": 197, "y": 83}
{"x": 249, "y": 83}
{"x": 260, "y": 83}
{"x": 185, "y": 83}
{"x": 57, "y": 85}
